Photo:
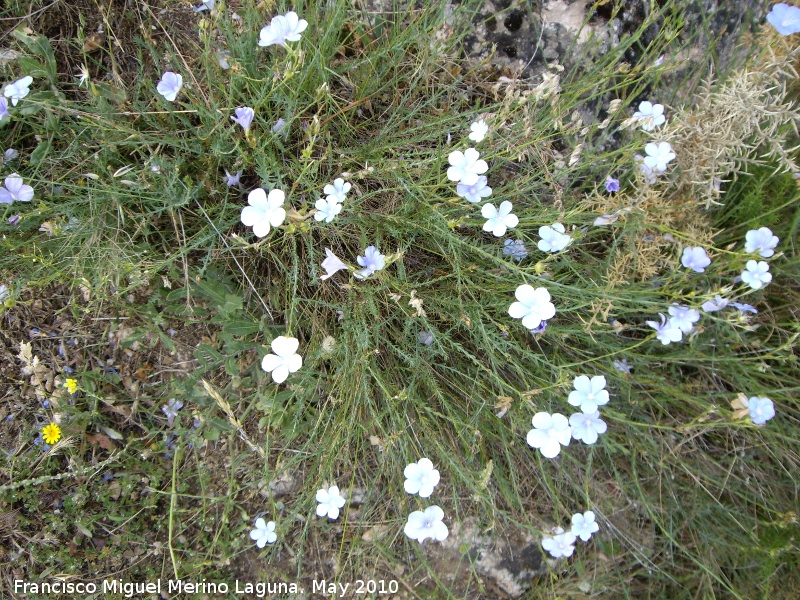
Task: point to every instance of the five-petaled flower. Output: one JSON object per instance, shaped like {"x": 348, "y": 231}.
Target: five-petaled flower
{"x": 499, "y": 220}
{"x": 284, "y": 359}
{"x": 666, "y": 331}
{"x": 327, "y": 209}
{"x": 476, "y": 191}
{"x": 478, "y": 131}
{"x": 421, "y": 478}
{"x": 757, "y": 274}
{"x": 549, "y": 433}
{"x": 718, "y": 303}
{"x": 331, "y": 264}
{"x": 338, "y": 189}
{"x": 553, "y": 238}
{"x": 51, "y": 433}
{"x": 584, "y": 525}
{"x": 588, "y": 393}
{"x": 683, "y": 317}
{"x": 466, "y": 166}
{"x": 264, "y": 533}
{"x": 282, "y": 29}
{"x": 17, "y": 90}
{"x": 515, "y": 249}
{"x": 784, "y": 18}
{"x": 264, "y": 210}
{"x": 761, "y": 409}
{"x": 244, "y": 117}
{"x": 762, "y": 241}
{"x": 533, "y": 306}
{"x": 371, "y": 261}
{"x": 695, "y": 258}
{"x": 330, "y": 501}
{"x": 658, "y": 156}
{"x": 15, "y": 189}
{"x": 651, "y": 115}
{"x": 428, "y": 524}
{"x": 587, "y": 426}
{"x": 562, "y": 544}
{"x": 169, "y": 86}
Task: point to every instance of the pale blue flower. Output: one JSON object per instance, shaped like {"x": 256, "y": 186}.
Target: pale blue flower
{"x": 784, "y": 18}
{"x": 718, "y": 303}
{"x": 549, "y": 433}
{"x": 466, "y": 166}
{"x": 553, "y": 238}
{"x": 330, "y": 501}
{"x": 331, "y": 264}
{"x": 515, "y": 249}
{"x": 371, "y": 261}
{"x": 425, "y": 337}
{"x": 757, "y": 274}
{"x": 169, "y": 86}
{"x": 658, "y": 156}
{"x": 666, "y": 331}
{"x": 264, "y": 210}
{"x": 264, "y": 533}
{"x": 584, "y": 525}
{"x": 17, "y": 90}
{"x": 476, "y": 191}
{"x": 612, "y": 185}
{"x": 279, "y": 126}
{"x": 533, "y": 306}
{"x": 649, "y": 174}
{"x": 282, "y": 29}
{"x": 4, "y": 108}
{"x": 589, "y": 393}
{"x": 478, "y": 131}
{"x": 587, "y": 426}
{"x": 421, "y": 478}
{"x": 761, "y": 409}
{"x": 651, "y": 115}
{"x": 428, "y": 524}
{"x": 683, "y": 317}
{"x": 745, "y": 308}
{"x": 15, "y": 190}
{"x": 499, "y": 220}
{"x": 327, "y": 209}
{"x": 695, "y": 258}
{"x": 244, "y": 117}
{"x": 762, "y": 241}
{"x": 560, "y": 545}
{"x": 338, "y": 189}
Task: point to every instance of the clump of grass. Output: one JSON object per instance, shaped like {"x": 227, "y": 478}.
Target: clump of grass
{"x": 686, "y": 496}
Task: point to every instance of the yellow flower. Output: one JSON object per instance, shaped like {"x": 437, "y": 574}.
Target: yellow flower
{"x": 51, "y": 433}
{"x": 71, "y": 385}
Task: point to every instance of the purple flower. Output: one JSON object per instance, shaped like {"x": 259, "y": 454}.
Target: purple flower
{"x": 612, "y": 185}
{"x": 4, "y": 108}
{"x": 231, "y": 180}
{"x": 13, "y": 220}
{"x": 244, "y": 116}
